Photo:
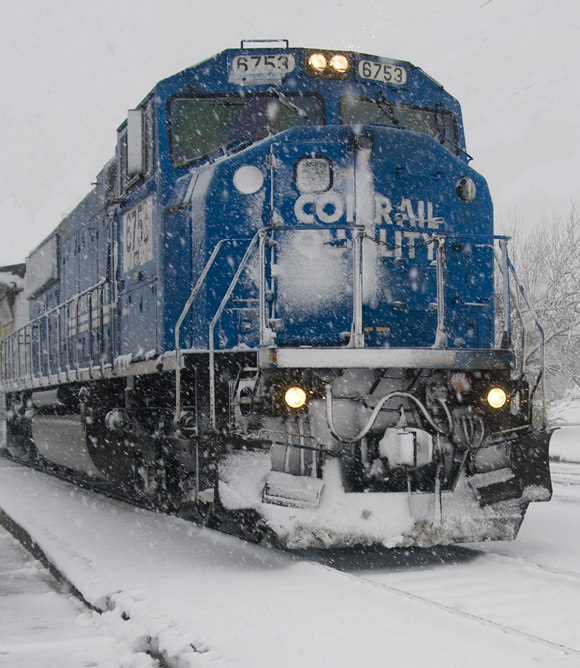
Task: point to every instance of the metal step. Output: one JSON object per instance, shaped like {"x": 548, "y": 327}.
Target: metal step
{"x": 284, "y": 489}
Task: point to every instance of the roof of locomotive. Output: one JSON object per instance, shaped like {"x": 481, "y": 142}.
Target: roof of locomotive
{"x": 216, "y": 75}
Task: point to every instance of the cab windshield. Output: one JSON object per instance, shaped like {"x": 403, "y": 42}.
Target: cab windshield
{"x": 438, "y": 123}
{"x": 200, "y": 126}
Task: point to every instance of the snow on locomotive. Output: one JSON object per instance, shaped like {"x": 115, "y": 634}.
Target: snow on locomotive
{"x": 278, "y": 310}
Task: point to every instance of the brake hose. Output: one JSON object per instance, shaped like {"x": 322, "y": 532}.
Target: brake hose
{"x": 380, "y": 404}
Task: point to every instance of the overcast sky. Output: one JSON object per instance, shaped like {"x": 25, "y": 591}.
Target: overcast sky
{"x": 70, "y": 69}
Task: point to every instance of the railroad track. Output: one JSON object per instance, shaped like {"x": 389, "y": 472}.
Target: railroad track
{"x": 517, "y": 594}
{"x": 566, "y": 481}
{"x": 511, "y": 630}
{"x": 460, "y": 579}
{"x": 566, "y": 476}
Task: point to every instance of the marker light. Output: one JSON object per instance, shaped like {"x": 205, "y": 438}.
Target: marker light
{"x": 466, "y": 189}
{"x": 317, "y": 61}
{"x": 313, "y": 174}
{"x": 496, "y": 397}
{"x": 339, "y": 63}
{"x": 295, "y": 397}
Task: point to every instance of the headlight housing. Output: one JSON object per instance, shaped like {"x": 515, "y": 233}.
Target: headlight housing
{"x": 327, "y": 65}
{"x": 465, "y": 189}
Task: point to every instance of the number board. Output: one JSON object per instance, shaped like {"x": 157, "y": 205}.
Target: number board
{"x": 138, "y": 235}
{"x": 257, "y": 68}
{"x": 391, "y": 74}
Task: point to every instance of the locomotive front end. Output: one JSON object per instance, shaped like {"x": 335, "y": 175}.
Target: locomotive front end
{"x": 386, "y": 404}
{"x": 283, "y": 310}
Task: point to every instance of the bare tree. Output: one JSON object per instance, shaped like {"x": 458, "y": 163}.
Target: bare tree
{"x": 547, "y": 262}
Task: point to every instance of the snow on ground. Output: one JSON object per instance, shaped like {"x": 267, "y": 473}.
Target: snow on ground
{"x": 42, "y": 625}
{"x": 531, "y": 585}
{"x": 565, "y": 444}
{"x": 209, "y": 599}
{"x": 565, "y": 416}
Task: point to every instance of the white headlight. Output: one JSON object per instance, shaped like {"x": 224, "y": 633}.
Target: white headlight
{"x": 313, "y": 175}
{"x": 295, "y": 397}
{"x": 339, "y": 63}
{"x": 496, "y": 397}
{"x": 318, "y": 61}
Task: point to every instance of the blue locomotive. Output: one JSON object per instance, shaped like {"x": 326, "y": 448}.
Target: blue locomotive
{"x": 283, "y": 310}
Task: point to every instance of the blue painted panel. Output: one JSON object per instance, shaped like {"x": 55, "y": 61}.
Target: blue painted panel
{"x": 402, "y": 192}
{"x": 138, "y": 320}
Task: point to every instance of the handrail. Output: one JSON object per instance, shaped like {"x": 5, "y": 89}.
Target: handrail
{"x": 501, "y": 259}
{"x": 181, "y": 318}
{"x": 542, "y": 373}
{"x": 441, "y": 333}
{"x": 260, "y": 234}
{"x": 441, "y": 261}
{"x": 59, "y": 306}
{"x": 18, "y": 344}
{"x": 217, "y": 316}
{"x": 357, "y": 323}
{"x": 358, "y": 337}
{"x": 506, "y": 267}
{"x": 506, "y": 294}
{"x": 19, "y": 359}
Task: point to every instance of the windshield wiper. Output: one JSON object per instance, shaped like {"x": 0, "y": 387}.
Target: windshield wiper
{"x": 382, "y": 100}
{"x": 442, "y": 139}
{"x": 247, "y": 139}
{"x": 285, "y": 102}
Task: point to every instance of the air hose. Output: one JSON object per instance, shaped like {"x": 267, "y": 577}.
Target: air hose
{"x": 376, "y": 411}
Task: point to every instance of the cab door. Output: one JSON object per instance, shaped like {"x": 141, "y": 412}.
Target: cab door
{"x": 309, "y": 266}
